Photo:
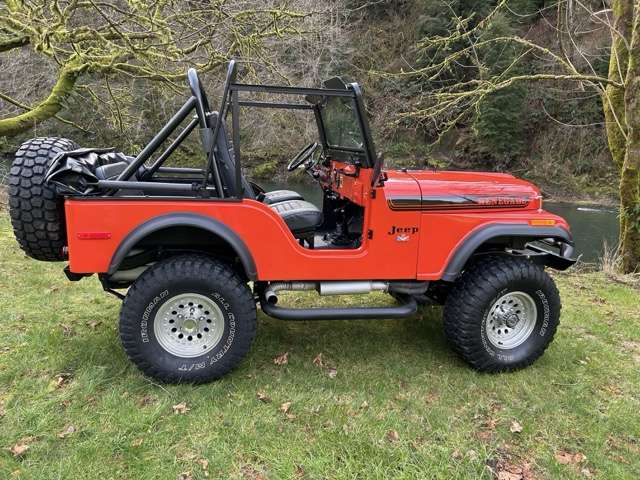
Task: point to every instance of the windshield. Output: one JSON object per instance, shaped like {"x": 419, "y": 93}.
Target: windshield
{"x": 341, "y": 126}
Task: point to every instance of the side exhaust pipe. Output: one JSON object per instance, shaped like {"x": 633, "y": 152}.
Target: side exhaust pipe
{"x": 324, "y": 288}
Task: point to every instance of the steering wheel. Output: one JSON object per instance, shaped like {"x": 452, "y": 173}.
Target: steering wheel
{"x": 302, "y": 156}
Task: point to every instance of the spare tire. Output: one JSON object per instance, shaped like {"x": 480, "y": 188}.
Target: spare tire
{"x": 37, "y": 212}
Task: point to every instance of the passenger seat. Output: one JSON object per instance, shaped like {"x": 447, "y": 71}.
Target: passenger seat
{"x": 302, "y": 217}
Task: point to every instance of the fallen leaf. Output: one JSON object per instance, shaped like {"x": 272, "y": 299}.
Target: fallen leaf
{"x": 19, "y": 449}
{"x": 137, "y": 442}
{"x": 317, "y": 360}
{"x": 456, "y": 455}
{"x": 281, "y": 359}
{"x": 568, "y": 458}
{"x": 67, "y": 431}
{"x": 490, "y": 423}
{"x": 299, "y": 471}
{"x": 504, "y": 470}
{"x": 586, "y": 473}
{"x": 484, "y": 435}
{"x": 92, "y": 324}
{"x": 506, "y": 475}
{"x": 563, "y": 457}
{"x": 393, "y": 436}
{"x": 263, "y": 397}
{"x": 251, "y": 473}
{"x": 431, "y": 398}
{"x": 185, "y": 476}
{"x": 515, "y": 427}
{"x": 284, "y": 408}
{"x": 147, "y": 400}
{"x": 579, "y": 457}
{"x": 291, "y": 416}
{"x": 65, "y": 403}
{"x": 204, "y": 463}
{"x": 364, "y": 405}
{"x": 67, "y": 331}
{"x": 180, "y": 408}
{"x": 332, "y": 372}
{"x": 62, "y": 380}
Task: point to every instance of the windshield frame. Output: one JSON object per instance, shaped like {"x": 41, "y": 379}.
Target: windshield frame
{"x": 365, "y": 156}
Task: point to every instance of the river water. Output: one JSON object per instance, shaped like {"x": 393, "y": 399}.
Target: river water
{"x": 592, "y": 225}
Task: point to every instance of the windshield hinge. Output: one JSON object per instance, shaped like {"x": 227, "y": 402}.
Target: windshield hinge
{"x": 370, "y": 234}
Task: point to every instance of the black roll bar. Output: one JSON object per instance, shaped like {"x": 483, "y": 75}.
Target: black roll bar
{"x": 156, "y": 141}
{"x": 209, "y": 133}
{"x": 179, "y": 139}
{"x": 157, "y": 186}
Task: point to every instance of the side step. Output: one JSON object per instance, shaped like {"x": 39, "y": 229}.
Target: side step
{"x": 406, "y": 308}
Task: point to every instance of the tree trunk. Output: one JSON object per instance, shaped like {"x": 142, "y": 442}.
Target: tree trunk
{"x": 613, "y": 100}
{"x": 47, "y": 108}
{"x": 630, "y": 171}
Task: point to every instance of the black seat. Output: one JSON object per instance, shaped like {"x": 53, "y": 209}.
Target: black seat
{"x": 228, "y": 174}
{"x": 276, "y": 196}
{"x": 301, "y": 217}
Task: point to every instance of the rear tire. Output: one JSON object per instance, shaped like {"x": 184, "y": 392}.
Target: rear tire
{"x": 188, "y": 319}
{"x": 502, "y": 314}
{"x": 37, "y": 212}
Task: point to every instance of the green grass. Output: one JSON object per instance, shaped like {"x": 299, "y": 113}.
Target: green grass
{"x": 583, "y": 396}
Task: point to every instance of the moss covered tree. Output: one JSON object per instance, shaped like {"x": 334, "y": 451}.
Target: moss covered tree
{"x": 153, "y": 40}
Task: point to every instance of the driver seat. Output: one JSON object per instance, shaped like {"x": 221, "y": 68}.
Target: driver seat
{"x": 277, "y": 196}
{"x": 302, "y": 217}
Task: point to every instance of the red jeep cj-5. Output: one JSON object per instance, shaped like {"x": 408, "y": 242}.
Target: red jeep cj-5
{"x": 197, "y": 248}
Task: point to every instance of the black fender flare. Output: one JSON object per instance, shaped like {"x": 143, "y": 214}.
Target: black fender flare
{"x": 484, "y": 234}
{"x": 185, "y": 220}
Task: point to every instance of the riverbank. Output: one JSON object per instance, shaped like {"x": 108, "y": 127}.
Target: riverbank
{"x": 385, "y": 397}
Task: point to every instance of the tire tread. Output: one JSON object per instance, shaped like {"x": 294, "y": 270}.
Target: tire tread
{"x": 37, "y": 213}
{"x": 468, "y": 297}
{"x": 192, "y": 266}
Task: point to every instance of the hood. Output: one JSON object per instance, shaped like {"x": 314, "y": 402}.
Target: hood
{"x": 445, "y": 190}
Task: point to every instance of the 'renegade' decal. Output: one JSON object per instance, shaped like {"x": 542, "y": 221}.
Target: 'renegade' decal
{"x": 457, "y": 202}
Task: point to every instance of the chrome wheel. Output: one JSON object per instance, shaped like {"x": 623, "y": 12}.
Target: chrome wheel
{"x": 188, "y": 325}
{"x": 511, "y": 320}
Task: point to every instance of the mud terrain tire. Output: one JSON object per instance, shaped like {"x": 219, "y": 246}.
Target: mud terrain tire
{"x": 502, "y": 313}
{"x": 188, "y": 319}
{"x": 37, "y": 213}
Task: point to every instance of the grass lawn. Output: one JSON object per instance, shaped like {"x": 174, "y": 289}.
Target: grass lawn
{"x": 388, "y": 399}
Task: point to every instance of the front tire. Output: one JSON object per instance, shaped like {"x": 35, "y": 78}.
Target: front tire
{"x": 188, "y": 319}
{"x": 502, "y": 313}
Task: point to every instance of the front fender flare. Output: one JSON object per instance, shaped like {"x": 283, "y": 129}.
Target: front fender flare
{"x": 185, "y": 220}
{"x": 482, "y": 235}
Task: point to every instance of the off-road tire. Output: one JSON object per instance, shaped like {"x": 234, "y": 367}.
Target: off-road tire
{"x": 37, "y": 212}
{"x": 468, "y": 308}
{"x": 166, "y": 280}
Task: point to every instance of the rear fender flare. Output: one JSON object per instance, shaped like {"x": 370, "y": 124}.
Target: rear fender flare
{"x": 476, "y": 239}
{"x": 185, "y": 220}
